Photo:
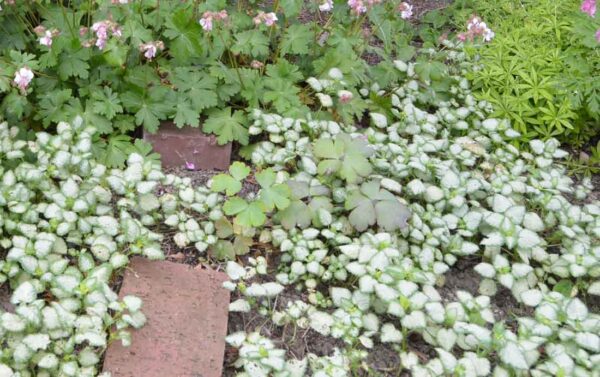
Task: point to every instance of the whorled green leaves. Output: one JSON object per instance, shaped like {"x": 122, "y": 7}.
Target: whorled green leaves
{"x": 370, "y": 204}
{"x": 343, "y": 156}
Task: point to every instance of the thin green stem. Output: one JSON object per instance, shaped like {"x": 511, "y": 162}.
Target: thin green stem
{"x": 233, "y": 61}
{"x": 64, "y": 13}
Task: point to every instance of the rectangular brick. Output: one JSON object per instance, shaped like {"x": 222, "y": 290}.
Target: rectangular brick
{"x": 180, "y": 145}
{"x": 187, "y": 313}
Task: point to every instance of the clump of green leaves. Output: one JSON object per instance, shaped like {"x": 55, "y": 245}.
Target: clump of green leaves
{"x": 251, "y": 213}
{"x": 157, "y": 63}
{"x": 343, "y": 157}
{"x": 541, "y": 70}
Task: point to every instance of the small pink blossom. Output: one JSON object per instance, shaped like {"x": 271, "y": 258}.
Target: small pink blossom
{"x": 589, "y": 7}
{"x": 190, "y": 165}
{"x": 345, "y": 96}
{"x": 268, "y": 19}
{"x": 206, "y": 23}
{"x": 357, "y": 7}
{"x": 102, "y": 30}
{"x": 46, "y": 40}
{"x": 149, "y": 49}
{"x": 23, "y": 77}
{"x": 45, "y": 35}
{"x": 476, "y": 28}
{"x": 256, "y": 64}
{"x": 406, "y": 10}
{"x": 120, "y": 1}
{"x": 207, "y": 19}
{"x": 598, "y": 35}
{"x": 327, "y": 6}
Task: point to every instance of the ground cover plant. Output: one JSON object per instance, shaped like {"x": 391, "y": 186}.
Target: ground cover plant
{"x": 360, "y": 213}
{"x": 368, "y": 275}
{"x": 542, "y": 70}
{"x": 128, "y": 64}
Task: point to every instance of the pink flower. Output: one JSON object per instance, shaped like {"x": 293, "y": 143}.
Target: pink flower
{"x": 476, "y": 28}
{"x": 149, "y": 49}
{"x": 589, "y": 7}
{"x": 357, "y": 7}
{"x": 256, "y": 64}
{"x": 207, "y": 19}
{"x": 327, "y": 6}
{"x": 268, "y": 19}
{"x": 102, "y": 29}
{"x": 598, "y": 35}
{"x": 120, "y": 1}
{"x": 345, "y": 96}
{"x": 206, "y": 23}
{"x": 190, "y": 165}
{"x": 23, "y": 77}
{"x": 405, "y": 10}
{"x": 46, "y": 40}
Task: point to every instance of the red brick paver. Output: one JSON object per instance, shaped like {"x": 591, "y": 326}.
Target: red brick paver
{"x": 187, "y": 313}
{"x": 178, "y": 146}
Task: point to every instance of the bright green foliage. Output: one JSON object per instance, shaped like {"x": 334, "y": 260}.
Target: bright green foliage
{"x": 251, "y": 214}
{"x": 231, "y": 184}
{"x": 227, "y": 124}
{"x": 344, "y": 157}
{"x": 542, "y": 69}
{"x": 273, "y": 195}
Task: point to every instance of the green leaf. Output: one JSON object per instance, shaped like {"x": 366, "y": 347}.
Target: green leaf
{"x": 343, "y": 156}
{"x": 229, "y": 84}
{"x": 74, "y": 64}
{"x": 239, "y": 170}
{"x": 564, "y": 287}
{"x": 284, "y": 70}
{"x": 251, "y": 42}
{"x": 146, "y": 117}
{"x": 296, "y": 214}
{"x": 52, "y": 106}
{"x": 106, "y": 103}
{"x": 149, "y": 106}
{"x": 234, "y": 205}
{"x": 145, "y": 149}
{"x": 252, "y": 216}
{"x": 185, "y": 34}
{"x": 247, "y": 214}
{"x": 198, "y": 86}
{"x": 292, "y": 7}
{"x": 223, "y": 250}
{"x": 185, "y": 114}
{"x": 225, "y": 183}
{"x": 370, "y": 203}
{"x": 227, "y": 126}
{"x": 282, "y": 94}
{"x": 297, "y": 39}
{"x": 271, "y": 194}
{"x": 116, "y": 151}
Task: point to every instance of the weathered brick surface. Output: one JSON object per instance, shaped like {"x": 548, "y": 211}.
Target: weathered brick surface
{"x": 187, "y": 322}
{"x": 180, "y": 145}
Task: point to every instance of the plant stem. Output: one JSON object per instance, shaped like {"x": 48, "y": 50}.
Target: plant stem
{"x": 233, "y": 61}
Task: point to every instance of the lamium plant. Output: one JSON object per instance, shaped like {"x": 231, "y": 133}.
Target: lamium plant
{"x": 359, "y": 214}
